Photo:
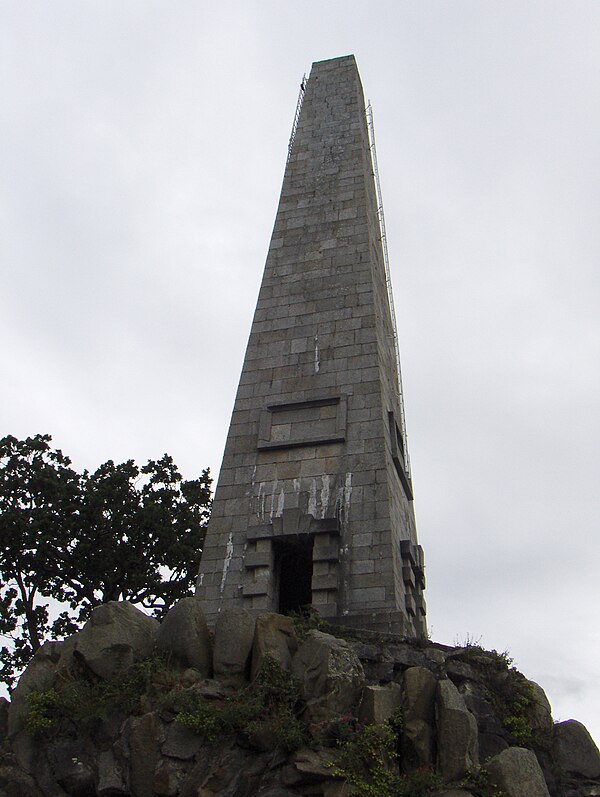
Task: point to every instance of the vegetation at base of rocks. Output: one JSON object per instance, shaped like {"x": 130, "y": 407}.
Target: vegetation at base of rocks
{"x": 508, "y": 691}
{"x": 512, "y": 698}
{"x": 306, "y": 619}
{"x": 269, "y": 707}
{"x": 81, "y": 539}
{"x": 479, "y": 782}
{"x": 367, "y": 759}
{"x": 79, "y": 701}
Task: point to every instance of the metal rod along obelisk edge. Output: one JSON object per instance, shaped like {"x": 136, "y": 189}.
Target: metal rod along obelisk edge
{"x": 314, "y": 500}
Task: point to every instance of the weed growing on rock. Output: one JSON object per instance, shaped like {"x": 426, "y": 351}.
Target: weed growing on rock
{"x": 42, "y": 711}
{"x": 306, "y": 619}
{"x": 479, "y": 782}
{"x": 78, "y": 700}
{"x": 267, "y": 711}
{"x": 368, "y": 761}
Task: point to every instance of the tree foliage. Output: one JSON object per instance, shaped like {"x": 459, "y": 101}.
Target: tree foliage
{"x": 74, "y": 540}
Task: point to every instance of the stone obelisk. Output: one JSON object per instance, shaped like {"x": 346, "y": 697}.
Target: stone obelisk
{"x": 314, "y": 501}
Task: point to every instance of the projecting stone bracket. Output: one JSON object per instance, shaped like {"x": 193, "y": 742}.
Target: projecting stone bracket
{"x": 413, "y": 576}
{"x": 294, "y": 529}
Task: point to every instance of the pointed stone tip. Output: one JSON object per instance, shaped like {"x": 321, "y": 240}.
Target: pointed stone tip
{"x": 333, "y": 61}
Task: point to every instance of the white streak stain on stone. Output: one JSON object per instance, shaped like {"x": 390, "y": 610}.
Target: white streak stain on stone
{"x": 227, "y": 562}
{"x": 325, "y": 496}
{"x": 317, "y": 361}
{"x": 312, "y": 499}
{"x": 273, "y": 501}
{"x": 347, "y": 494}
{"x": 280, "y": 503}
{"x": 260, "y": 511}
{"x": 296, "y": 486}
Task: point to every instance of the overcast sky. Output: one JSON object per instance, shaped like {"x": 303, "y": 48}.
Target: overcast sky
{"x": 142, "y": 148}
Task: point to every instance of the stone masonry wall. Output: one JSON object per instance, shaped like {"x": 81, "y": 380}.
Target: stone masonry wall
{"x": 309, "y": 450}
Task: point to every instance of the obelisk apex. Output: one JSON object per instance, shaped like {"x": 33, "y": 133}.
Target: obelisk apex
{"x": 314, "y": 500}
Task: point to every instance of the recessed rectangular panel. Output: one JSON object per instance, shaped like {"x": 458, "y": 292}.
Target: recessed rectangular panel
{"x": 303, "y": 423}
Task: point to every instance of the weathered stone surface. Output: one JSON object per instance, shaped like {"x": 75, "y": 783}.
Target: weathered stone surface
{"x": 110, "y": 775}
{"x": 180, "y": 742}
{"x": 575, "y": 750}
{"x": 312, "y": 765}
{"x": 234, "y": 634}
{"x": 168, "y": 777}
{"x": 453, "y": 793}
{"x": 456, "y": 733}
{"x": 418, "y": 709}
{"x": 184, "y": 635}
{"x": 39, "y": 674}
{"x": 72, "y": 766}
{"x": 517, "y": 772}
{"x": 493, "y": 737}
{"x": 378, "y": 703}
{"x": 274, "y": 636}
{"x": 331, "y": 676}
{"x": 540, "y": 713}
{"x": 16, "y": 783}
{"x": 418, "y": 694}
{"x": 116, "y": 636}
{"x": 143, "y": 740}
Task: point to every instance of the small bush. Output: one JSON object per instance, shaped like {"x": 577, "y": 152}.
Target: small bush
{"x": 82, "y": 701}
{"x": 270, "y": 704}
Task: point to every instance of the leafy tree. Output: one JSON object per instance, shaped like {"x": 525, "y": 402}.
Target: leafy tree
{"x": 121, "y": 533}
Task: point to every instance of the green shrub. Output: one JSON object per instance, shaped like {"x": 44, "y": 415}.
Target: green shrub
{"x": 270, "y": 704}
{"x": 79, "y": 700}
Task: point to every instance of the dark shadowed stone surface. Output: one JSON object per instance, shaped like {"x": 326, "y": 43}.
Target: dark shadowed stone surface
{"x": 575, "y": 749}
{"x": 110, "y": 775}
{"x": 378, "y": 703}
{"x": 456, "y": 731}
{"x": 418, "y": 709}
{"x": 72, "y": 766}
{"x": 143, "y": 740}
{"x": 180, "y": 742}
{"x": 493, "y": 738}
{"x": 330, "y": 675}
{"x": 4, "y": 707}
{"x": 183, "y": 634}
{"x": 16, "y": 783}
{"x": 115, "y": 637}
{"x": 274, "y": 636}
{"x": 234, "y": 634}
{"x": 517, "y": 772}
{"x": 38, "y": 675}
{"x": 453, "y": 793}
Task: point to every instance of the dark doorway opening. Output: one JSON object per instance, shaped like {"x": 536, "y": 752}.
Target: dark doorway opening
{"x": 294, "y": 569}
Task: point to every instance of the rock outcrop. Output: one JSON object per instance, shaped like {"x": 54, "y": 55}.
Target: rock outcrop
{"x": 128, "y": 708}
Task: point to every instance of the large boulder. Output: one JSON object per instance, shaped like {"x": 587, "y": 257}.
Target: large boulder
{"x": 115, "y": 637}
{"x": 418, "y": 710}
{"x": 184, "y": 637}
{"x": 330, "y": 675}
{"x": 144, "y": 736}
{"x": 575, "y": 750}
{"x": 234, "y": 634}
{"x": 457, "y": 741}
{"x": 274, "y": 636}
{"x": 540, "y": 712}
{"x": 38, "y": 676}
{"x": 516, "y": 771}
{"x": 493, "y": 737}
{"x": 378, "y": 703}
